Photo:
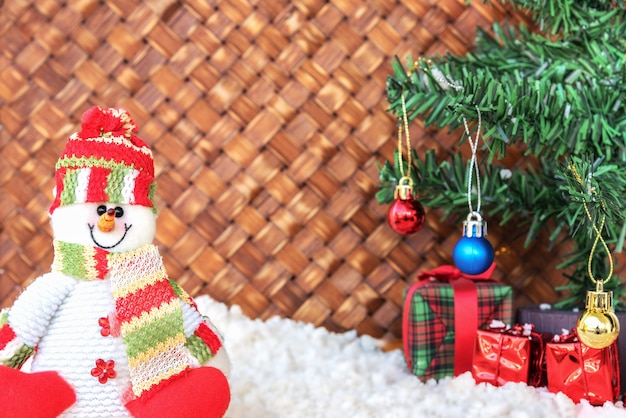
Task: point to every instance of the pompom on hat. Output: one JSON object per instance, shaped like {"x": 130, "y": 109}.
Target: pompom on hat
{"x": 105, "y": 162}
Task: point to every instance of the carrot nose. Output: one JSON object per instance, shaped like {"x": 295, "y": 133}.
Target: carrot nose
{"x": 107, "y": 221}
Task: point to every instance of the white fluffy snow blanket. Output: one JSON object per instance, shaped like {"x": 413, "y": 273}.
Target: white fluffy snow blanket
{"x": 283, "y": 369}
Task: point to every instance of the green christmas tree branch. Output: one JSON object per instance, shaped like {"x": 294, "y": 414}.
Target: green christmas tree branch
{"x": 555, "y": 97}
{"x": 565, "y": 17}
{"x": 592, "y": 185}
{"x": 558, "y": 94}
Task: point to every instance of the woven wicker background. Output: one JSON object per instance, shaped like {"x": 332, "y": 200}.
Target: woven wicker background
{"x": 266, "y": 119}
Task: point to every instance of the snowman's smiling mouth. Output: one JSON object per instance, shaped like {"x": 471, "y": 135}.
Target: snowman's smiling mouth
{"x": 126, "y": 228}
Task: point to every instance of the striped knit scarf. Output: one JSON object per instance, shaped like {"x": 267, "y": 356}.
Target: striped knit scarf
{"x": 147, "y": 308}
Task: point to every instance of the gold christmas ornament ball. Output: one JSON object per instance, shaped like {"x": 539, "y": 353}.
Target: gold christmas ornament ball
{"x": 597, "y": 326}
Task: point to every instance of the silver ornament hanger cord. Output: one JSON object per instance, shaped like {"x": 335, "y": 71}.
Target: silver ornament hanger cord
{"x": 473, "y": 164}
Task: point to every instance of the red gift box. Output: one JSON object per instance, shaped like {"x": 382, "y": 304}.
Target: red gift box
{"x": 509, "y": 355}
{"x": 441, "y": 315}
{"x": 583, "y": 372}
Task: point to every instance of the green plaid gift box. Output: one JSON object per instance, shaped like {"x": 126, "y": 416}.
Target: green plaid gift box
{"x": 429, "y": 321}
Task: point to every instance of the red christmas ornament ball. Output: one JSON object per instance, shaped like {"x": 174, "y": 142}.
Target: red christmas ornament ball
{"x": 406, "y": 216}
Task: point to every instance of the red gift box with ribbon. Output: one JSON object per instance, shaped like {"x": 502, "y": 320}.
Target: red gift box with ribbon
{"x": 441, "y": 314}
{"x": 513, "y": 354}
{"x": 582, "y": 372}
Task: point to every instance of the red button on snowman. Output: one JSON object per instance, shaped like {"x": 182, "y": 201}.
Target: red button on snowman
{"x": 110, "y": 334}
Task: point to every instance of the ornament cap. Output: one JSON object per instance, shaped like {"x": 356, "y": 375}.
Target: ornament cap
{"x": 404, "y": 189}
{"x": 474, "y": 226}
{"x": 599, "y": 301}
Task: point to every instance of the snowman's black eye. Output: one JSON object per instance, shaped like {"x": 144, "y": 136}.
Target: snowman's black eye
{"x": 119, "y": 212}
{"x": 102, "y": 210}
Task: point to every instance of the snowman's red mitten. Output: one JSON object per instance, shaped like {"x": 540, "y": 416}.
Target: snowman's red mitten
{"x": 33, "y": 395}
{"x": 199, "y": 393}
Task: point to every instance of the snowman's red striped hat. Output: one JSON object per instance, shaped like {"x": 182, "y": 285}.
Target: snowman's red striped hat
{"x": 105, "y": 162}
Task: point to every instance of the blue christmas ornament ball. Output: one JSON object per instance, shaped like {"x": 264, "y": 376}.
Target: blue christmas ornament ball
{"x": 473, "y": 255}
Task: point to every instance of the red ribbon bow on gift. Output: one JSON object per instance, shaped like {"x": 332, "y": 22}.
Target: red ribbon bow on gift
{"x": 465, "y": 310}
{"x": 450, "y": 273}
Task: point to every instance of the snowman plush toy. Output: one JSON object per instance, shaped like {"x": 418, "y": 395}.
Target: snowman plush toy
{"x": 109, "y": 333}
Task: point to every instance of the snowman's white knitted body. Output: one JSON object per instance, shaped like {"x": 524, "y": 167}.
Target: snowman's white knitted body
{"x": 72, "y": 340}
